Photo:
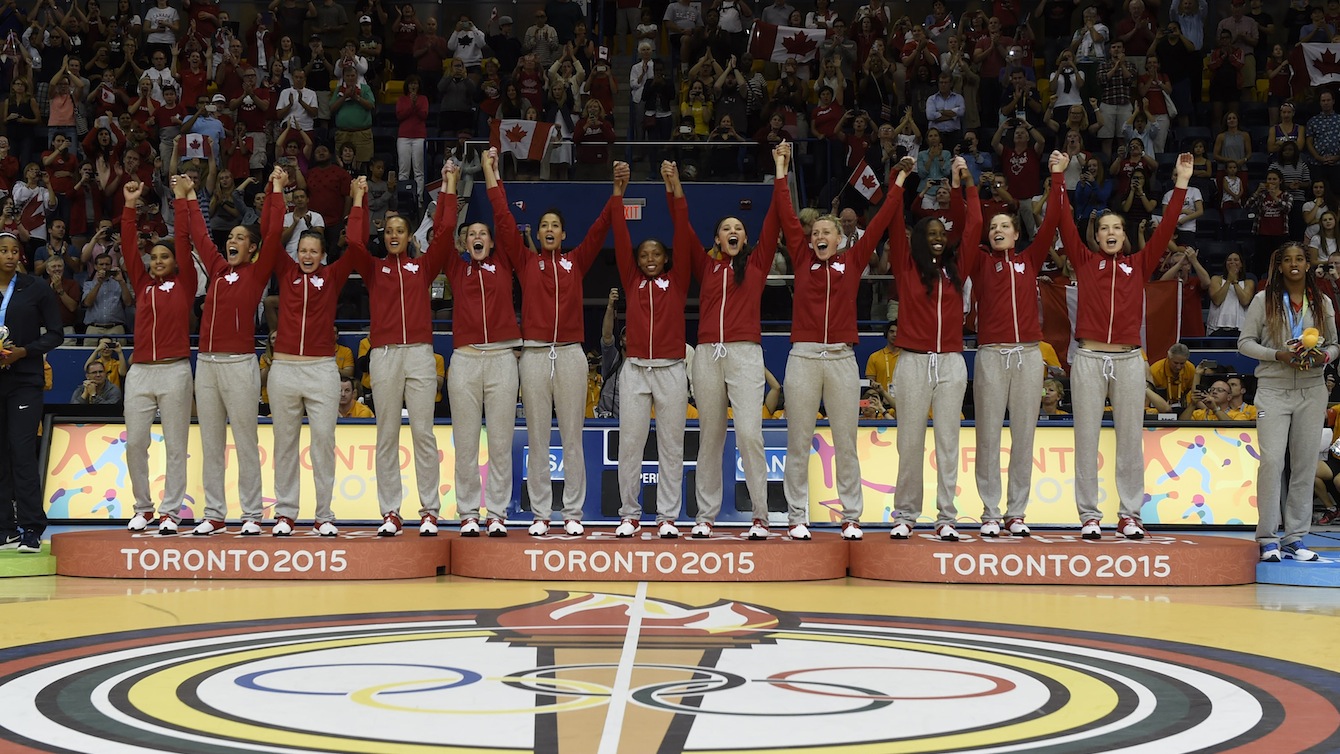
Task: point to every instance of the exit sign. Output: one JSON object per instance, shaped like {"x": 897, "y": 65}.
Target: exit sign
{"x": 632, "y": 208}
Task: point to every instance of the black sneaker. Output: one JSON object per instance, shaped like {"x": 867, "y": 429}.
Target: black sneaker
{"x": 9, "y": 540}
{"x": 30, "y": 541}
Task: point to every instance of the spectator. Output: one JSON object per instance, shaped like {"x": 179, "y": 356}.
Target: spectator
{"x": 682, "y": 20}
{"x": 639, "y": 77}
{"x": 21, "y": 119}
{"x": 298, "y": 221}
{"x": 1238, "y": 407}
{"x": 944, "y": 112}
{"x": 529, "y": 80}
{"x": 569, "y": 73}
{"x": 592, "y": 135}
{"x": 349, "y": 407}
{"x": 1230, "y": 293}
{"x": 1232, "y": 189}
{"x": 505, "y": 47}
{"x": 352, "y": 108}
{"x": 1089, "y": 46}
{"x": 1193, "y": 206}
{"x": 405, "y": 28}
{"x": 205, "y": 121}
{"x": 297, "y": 106}
{"x": 161, "y": 24}
{"x": 106, "y": 297}
{"x": 560, "y": 112}
{"x": 1272, "y": 205}
{"x": 697, "y": 107}
{"x": 458, "y": 96}
{"x": 1021, "y": 160}
{"x": 541, "y": 41}
{"x": 1232, "y": 143}
{"x": 879, "y": 367}
{"x": 96, "y": 390}
{"x": 1285, "y": 129}
{"x": 1183, "y": 266}
{"x": 1244, "y": 34}
{"x": 67, "y": 293}
{"x": 286, "y": 52}
{"x": 628, "y": 15}
{"x": 430, "y": 51}
{"x": 1297, "y": 177}
{"x": 839, "y": 45}
{"x": 1323, "y": 138}
{"x": 1053, "y": 393}
{"x": 411, "y": 111}
{"x": 1116, "y": 80}
{"x": 1325, "y": 242}
{"x": 659, "y": 104}
{"x": 1318, "y": 31}
{"x": 332, "y": 22}
{"x": 1022, "y": 101}
{"x": 564, "y": 16}
{"x": 1210, "y": 405}
{"x": 1174, "y": 377}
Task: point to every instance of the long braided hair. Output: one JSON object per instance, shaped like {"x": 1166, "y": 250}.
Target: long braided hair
{"x": 928, "y": 266}
{"x": 1274, "y": 299}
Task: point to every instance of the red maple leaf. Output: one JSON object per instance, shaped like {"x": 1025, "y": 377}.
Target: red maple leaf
{"x": 799, "y": 45}
{"x": 516, "y": 134}
{"x": 1327, "y": 64}
{"x": 869, "y": 181}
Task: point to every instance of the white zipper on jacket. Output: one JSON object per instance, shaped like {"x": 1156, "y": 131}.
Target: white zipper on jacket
{"x": 483, "y": 303}
{"x": 828, "y": 291}
{"x": 1014, "y": 297}
{"x": 940, "y": 313}
{"x": 153, "y": 304}
{"x": 651, "y": 319}
{"x": 400, "y": 279}
{"x": 1112, "y": 301}
{"x": 721, "y": 317}
{"x": 302, "y": 330}
{"x": 213, "y": 314}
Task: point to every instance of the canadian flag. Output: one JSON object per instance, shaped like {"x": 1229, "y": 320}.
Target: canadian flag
{"x": 197, "y": 146}
{"x": 1323, "y": 62}
{"x": 525, "y": 139}
{"x": 866, "y": 183}
{"x": 778, "y": 43}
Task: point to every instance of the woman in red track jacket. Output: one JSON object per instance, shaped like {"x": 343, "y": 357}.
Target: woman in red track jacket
{"x": 822, "y": 363}
{"x": 653, "y": 375}
{"x": 228, "y": 378}
{"x": 304, "y": 378}
{"x": 485, "y": 336}
{"x": 1108, "y": 363}
{"x": 731, "y": 277}
{"x": 931, "y": 375}
{"x": 1009, "y": 368}
{"x": 159, "y": 380}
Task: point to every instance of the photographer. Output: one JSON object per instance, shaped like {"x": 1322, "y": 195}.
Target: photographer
{"x": 67, "y": 293}
{"x": 106, "y": 298}
{"x": 725, "y": 162}
{"x": 1209, "y": 405}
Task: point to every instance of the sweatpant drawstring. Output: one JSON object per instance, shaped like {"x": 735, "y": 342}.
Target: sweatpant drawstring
{"x": 1017, "y": 352}
{"x": 718, "y": 351}
{"x": 933, "y": 368}
{"x": 553, "y": 360}
{"x": 1109, "y": 368}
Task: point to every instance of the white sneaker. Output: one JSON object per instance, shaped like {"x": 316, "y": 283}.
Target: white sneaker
{"x": 799, "y": 531}
{"x": 990, "y": 529}
{"x": 701, "y": 530}
{"x": 1091, "y": 529}
{"x": 496, "y": 527}
{"x": 166, "y": 526}
{"x": 900, "y": 531}
{"x": 1296, "y": 551}
{"x": 282, "y": 528}
{"x": 391, "y": 526}
{"x": 758, "y": 529}
{"x": 249, "y": 529}
{"x": 627, "y": 528}
{"x": 538, "y": 528}
{"x": 206, "y": 528}
{"x": 851, "y": 530}
{"x": 573, "y": 528}
{"x": 326, "y": 529}
{"x": 470, "y": 527}
{"x": 1018, "y": 528}
{"x": 428, "y": 526}
{"x": 139, "y": 522}
{"x": 946, "y": 533}
{"x": 667, "y": 530}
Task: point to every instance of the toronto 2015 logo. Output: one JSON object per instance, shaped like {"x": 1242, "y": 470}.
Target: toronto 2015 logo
{"x": 590, "y": 671}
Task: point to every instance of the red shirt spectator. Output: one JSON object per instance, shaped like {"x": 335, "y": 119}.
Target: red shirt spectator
{"x": 60, "y": 164}
{"x": 327, "y": 186}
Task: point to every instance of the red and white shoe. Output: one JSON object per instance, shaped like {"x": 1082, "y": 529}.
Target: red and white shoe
{"x": 470, "y": 527}
{"x": 1016, "y": 527}
{"x": 140, "y": 521}
{"x": 208, "y": 527}
{"x": 758, "y": 530}
{"x": 428, "y": 526}
{"x": 851, "y": 530}
{"x": 900, "y": 530}
{"x": 1130, "y": 528}
{"x": 496, "y": 527}
{"x": 573, "y": 528}
{"x": 946, "y": 533}
{"x": 538, "y": 528}
{"x": 1091, "y": 529}
{"x": 283, "y": 527}
{"x": 701, "y": 530}
{"x": 627, "y": 528}
{"x": 391, "y": 526}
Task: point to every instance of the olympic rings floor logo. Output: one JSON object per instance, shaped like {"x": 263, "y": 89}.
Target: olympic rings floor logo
{"x": 727, "y": 676}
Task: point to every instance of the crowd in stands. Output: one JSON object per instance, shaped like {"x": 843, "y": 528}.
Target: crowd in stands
{"x": 98, "y": 95}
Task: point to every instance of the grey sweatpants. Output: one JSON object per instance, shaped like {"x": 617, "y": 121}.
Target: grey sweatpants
{"x": 405, "y": 375}
{"x": 296, "y": 386}
{"x": 164, "y": 389}
{"x": 553, "y": 382}
{"x": 922, "y": 383}
{"x": 667, "y": 389}
{"x": 227, "y": 389}
{"x": 1120, "y": 378}
{"x": 1009, "y": 375}
{"x": 822, "y": 372}
{"x": 1287, "y": 419}
{"x": 483, "y": 383}
{"x": 731, "y": 371}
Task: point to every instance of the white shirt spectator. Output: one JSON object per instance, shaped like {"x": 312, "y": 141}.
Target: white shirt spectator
{"x": 470, "y": 54}
{"x": 1188, "y": 206}
{"x": 683, "y": 17}
{"x": 314, "y": 220}
{"x": 298, "y": 116}
{"x": 161, "y": 17}
{"x": 775, "y": 14}
{"x": 640, "y": 75}
{"x": 160, "y": 78}
{"x": 360, "y": 65}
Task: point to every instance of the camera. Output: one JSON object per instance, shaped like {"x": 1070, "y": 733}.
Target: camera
{"x": 1068, "y": 71}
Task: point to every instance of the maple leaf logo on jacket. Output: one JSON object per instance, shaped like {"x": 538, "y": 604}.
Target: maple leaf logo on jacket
{"x": 231, "y": 277}
{"x": 317, "y": 282}
{"x": 798, "y": 44}
{"x": 516, "y": 133}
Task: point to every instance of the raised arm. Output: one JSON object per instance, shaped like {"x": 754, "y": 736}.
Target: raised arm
{"x": 505, "y": 233}
{"x": 594, "y": 241}
{"x": 441, "y": 252}
{"x": 1073, "y": 247}
{"x": 766, "y": 246}
{"x": 272, "y": 219}
{"x": 357, "y": 231}
{"x": 890, "y": 216}
{"x": 623, "y": 243}
{"x": 1152, "y": 251}
{"x": 1051, "y": 219}
{"x": 130, "y": 233}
